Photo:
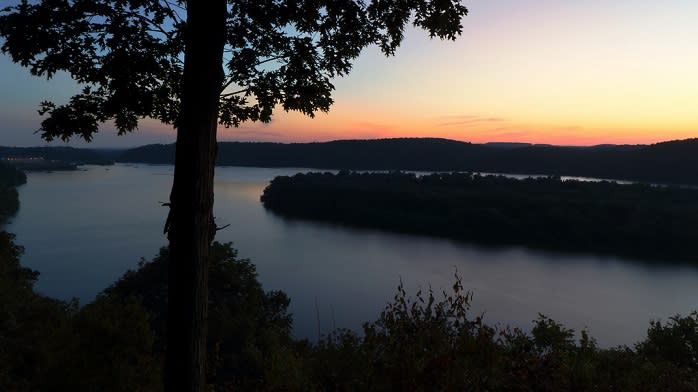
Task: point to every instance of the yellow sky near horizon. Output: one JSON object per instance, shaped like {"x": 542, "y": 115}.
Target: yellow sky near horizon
{"x": 540, "y": 71}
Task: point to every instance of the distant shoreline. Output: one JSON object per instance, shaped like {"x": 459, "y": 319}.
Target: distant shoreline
{"x": 672, "y": 162}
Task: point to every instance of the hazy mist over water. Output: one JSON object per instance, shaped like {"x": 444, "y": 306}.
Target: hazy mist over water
{"x": 84, "y": 229}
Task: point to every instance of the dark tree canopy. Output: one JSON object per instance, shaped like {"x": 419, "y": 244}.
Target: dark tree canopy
{"x": 127, "y": 55}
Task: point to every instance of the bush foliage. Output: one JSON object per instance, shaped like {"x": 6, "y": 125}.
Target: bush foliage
{"x": 424, "y": 344}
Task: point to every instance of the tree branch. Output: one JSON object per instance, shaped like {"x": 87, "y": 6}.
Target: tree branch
{"x": 231, "y": 81}
{"x": 173, "y": 14}
{"x": 235, "y": 92}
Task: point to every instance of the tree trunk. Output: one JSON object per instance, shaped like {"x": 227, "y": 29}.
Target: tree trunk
{"x": 190, "y": 226}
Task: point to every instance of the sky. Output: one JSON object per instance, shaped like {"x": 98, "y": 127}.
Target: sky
{"x": 561, "y": 72}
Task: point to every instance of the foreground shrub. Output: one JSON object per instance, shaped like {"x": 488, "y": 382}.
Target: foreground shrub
{"x": 46, "y": 344}
{"x": 422, "y": 344}
{"x": 249, "y": 330}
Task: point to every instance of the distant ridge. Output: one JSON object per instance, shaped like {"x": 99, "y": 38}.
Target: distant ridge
{"x": 672, "y": 162}
{"x": 667, "y": 162}
{"x": 53, "y": 158}
{"x": 507, "y": 144}
{"x": 65, "y": 154}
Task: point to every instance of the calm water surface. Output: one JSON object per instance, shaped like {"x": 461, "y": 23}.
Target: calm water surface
{"x": 83, "y": 229}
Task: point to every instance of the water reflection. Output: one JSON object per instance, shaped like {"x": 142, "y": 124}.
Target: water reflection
{"x": 82, "y": 230}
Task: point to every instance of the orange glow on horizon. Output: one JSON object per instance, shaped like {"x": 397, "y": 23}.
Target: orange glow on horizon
{"x": 288, "y": 128}
{"x": 340, "y": 124}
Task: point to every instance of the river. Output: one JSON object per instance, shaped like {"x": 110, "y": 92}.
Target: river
{"x": 83, "y": 229}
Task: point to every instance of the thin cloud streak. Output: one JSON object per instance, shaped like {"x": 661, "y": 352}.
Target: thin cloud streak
{"x": 468, "y": 119}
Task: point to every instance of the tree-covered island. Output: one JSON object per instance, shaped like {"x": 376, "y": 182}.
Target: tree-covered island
{"x": 637, "y": 220}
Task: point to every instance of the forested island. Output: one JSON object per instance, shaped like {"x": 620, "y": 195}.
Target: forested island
{"x": 639, "y": 221}
{"x": 673, "y": 162}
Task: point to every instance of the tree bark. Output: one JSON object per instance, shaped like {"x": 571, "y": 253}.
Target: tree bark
{"x": 191, "y": 228}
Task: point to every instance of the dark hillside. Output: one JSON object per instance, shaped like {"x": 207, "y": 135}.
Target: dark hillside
{"x": 66, "y": 154}
{"x": 53, "y": 158}
{"x": 151, "y": 153}
{"x": 668, "y": 162}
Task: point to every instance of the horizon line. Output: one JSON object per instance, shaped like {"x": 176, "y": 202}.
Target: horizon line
{"x": 66, "y": 145}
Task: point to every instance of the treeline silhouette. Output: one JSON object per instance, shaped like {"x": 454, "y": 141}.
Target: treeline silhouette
{"x": 10, "y": 178}
{"x": 673, "y": 162}
{"x": 669, "y": 162}
{"x": 640, "y": 221}
{"x": 56, "y": 158}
